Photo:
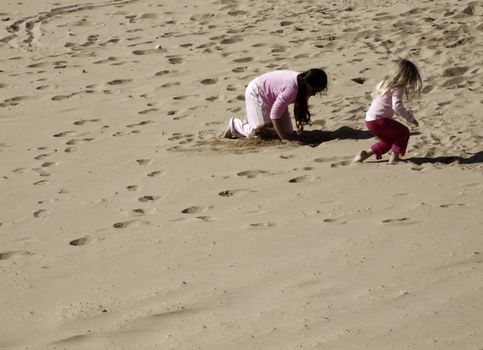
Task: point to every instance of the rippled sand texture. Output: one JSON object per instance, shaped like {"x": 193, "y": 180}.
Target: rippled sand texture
{"x": 127, "y": 223}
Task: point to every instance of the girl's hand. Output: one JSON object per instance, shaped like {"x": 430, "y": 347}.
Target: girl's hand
{"x": 289, "y": 138}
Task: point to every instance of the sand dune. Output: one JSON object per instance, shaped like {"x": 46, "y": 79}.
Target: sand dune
{"x": 127, "y": 223}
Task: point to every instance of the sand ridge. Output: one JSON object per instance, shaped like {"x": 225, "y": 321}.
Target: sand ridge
{"x": 126, "y": 222}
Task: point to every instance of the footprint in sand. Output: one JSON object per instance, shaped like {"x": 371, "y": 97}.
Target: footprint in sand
{"x": 91, "y": 39}
{"x": 253, "y": 173}
{"x": 109, "y": 59}
{"x": 399, "y": 221}
{"x": 261, "y": 225}
{"x": 147, "y": 16}
{"x": 180, "y": 98}
{"x": 40, "y": 213}
{"x": 163, "y": 72}
{"x": 278, "y": 49}
{"x": 341, "y": 163}
{"x": 154, "y": 173}
{"x": 41, "y": 172}
{"x": 59, "y": 64}
{"x": 301, "y": 179}
{"x": 79, "y": 141}
{"x": 41, "y": 182}
{"x": 233, "y": 193}
{"x": 192, "y": 210}
{"x": 334, "y": 221}
{"x": 12, "y": 254}
{"x": 149, "y": 110}
{"x": 358, "y": 80}
{"x": 205, "y": 218}
{"x": 64, "y": 133}
{"x": 170, "y": 84}
{"x": 80, "y": 241}
{"x": 427, "y": 89}
{"x": 326, "y": 159}
{"x": 137, "y": 212}
{"x": 305, "y": 168}
{"x": 175, "y": 60}
{"x": 62, "y": 97}
{"x": 451, "y": 205}
{"x": 119, "y": 81}
{"x": 453, "y": 82}
{"x": 148, "y": 198}
{"x": 143, "y": 161}
{"x": 183, "y": 138}
{"x": 286, "y": 23}
{"x": 128, "y": 223}
{"x": 231, "y": 40}
{"x": 38, "y": 65}
{"x": 473, "y": 184}
{"x": 83, "y": 121}
{"x": 132, "y": 188}
{"x": 239, "y": 69}
{"x": 42, "y": 156}
{"x": 209, "y": 81}
{"x": 234, "y": 110}
{"x": 213, "y": 123}
{"x": 148, "y": 52}
{"x": 144, "y": 122}
{"x": 237, "y": 13}
{"x": 455, "y": 71}
{"x": 243, "y": 60}
{"x": 13, "y": 101}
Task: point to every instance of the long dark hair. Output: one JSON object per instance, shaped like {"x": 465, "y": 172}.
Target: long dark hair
{"x": 316, "y": 79}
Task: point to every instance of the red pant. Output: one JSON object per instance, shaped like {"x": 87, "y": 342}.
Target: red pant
{"x": 392, "y": 135}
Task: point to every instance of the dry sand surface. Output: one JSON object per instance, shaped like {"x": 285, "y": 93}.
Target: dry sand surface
{"x": 126, "y": 223}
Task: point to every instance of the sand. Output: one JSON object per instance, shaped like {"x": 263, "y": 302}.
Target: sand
{"x": 127, "y": 223}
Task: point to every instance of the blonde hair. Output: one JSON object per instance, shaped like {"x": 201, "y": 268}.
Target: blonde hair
{"x": 404, "y": 75}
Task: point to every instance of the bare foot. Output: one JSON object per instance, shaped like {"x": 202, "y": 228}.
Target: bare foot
{"x": 362, "y": 156}
{"x": 227, "y": 134}
{"x": 394, "y": 159}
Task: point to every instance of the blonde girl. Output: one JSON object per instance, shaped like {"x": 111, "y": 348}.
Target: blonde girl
{"x": 403, "y": 80}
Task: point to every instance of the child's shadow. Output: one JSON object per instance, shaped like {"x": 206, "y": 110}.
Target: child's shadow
{"x": 314, "y": 138}
{"x": 474, "y": 159}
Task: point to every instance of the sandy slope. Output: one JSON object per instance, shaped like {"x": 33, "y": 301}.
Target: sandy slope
{"x": 125, "y": 223}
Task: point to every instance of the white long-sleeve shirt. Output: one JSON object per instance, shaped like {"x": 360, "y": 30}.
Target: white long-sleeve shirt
{"x": 386, "y": 105}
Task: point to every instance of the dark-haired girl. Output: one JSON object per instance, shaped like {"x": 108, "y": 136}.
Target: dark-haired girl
{"x": 267, "y": 99}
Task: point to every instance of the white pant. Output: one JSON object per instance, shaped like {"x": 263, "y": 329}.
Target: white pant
{"x": 258, "y": 114}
